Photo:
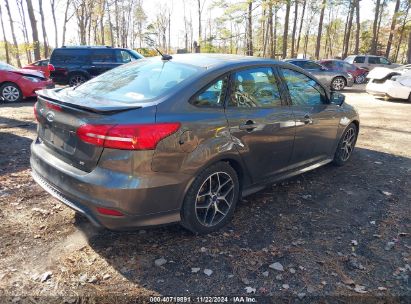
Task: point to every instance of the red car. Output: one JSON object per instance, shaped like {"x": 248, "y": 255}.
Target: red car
{"x": 16, "y": 84}
{"x": 40, "y": 65}
{"x": 358, "y": 74}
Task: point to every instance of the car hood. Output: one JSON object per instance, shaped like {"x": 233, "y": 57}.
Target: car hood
{"x": 381, "y": 73}
{"x": 27, "y": 72}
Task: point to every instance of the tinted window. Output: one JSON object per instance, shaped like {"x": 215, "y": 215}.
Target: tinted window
{"x": 303, "y": 90}
{"x": 384, "y": 60}
{"x": 123, "y": 56}
{"x": 255, "y": 88}
{"x": 359, "y": 59}
{"x": 309, "y": 65}
{"x": 298, "y": 63}
{"x": 102, "y": 56}
{"x": 373, "y": 60}
{"x": 141, "y": 81}
{"x": 69, "y": 56}
{"x": 329, "y": 64}
{"x": 212, "y": 96}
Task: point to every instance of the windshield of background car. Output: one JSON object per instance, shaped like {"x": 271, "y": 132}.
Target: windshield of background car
{"x": 7, "y": 67}
{"x": 141, "y": 81}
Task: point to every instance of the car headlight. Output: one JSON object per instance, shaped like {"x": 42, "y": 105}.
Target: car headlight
{"x": 32, "y": 79}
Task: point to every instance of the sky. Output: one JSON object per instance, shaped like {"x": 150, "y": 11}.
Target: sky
{"x": 151, "y": 8}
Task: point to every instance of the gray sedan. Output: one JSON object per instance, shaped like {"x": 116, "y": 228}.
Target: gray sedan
{"x": 182, "y": 139}
{"x": 336, "y": 80}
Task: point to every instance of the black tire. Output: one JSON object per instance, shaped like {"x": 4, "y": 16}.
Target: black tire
{"x": 346, "y": 145}
{"x": 10, "y": 92}
{"x": 76, "y": 79}
{"x": 409, "y": 98}
{"x": 338, "y": 83}
{"x": 205, "y": 213}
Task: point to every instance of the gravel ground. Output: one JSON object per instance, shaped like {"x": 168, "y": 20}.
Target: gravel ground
{"x": 332, "y": 233}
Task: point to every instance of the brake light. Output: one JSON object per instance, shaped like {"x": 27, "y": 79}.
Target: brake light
{"x": 36, "y": 115}
{"x": 53, "y": 106}
{"x": 51, "y": 67}
{"x": 127, "y": 137}
{"x": 112, "y": 212}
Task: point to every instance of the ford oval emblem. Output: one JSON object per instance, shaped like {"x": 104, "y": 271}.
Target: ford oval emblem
{"x": 50, "y": 116}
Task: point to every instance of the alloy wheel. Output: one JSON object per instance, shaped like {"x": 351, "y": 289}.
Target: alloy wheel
{"x": 338, "y": 84}
{"x": 214, "y": 199}
{"x": 348, "y": 144}
{"x": 77, "y": 80}
{"x": 360, "y": 79}
{"x": 10, "y": 93}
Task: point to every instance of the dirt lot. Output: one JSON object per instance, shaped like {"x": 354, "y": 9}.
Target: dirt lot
{"x": 335, "y": 231}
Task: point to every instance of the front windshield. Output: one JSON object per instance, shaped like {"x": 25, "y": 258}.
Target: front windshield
{"x": 7, "y": 67}
{"x": 143, "y": 80}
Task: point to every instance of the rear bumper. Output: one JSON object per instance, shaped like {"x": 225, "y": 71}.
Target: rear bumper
{"x": 389, "y": 88}
{"x": 145, "y": 201}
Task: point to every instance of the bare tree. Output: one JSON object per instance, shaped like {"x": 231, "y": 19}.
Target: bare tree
{"x": 33, "y": 22}
{"x": 393, "y": 24}
{"x": 6, "y": 44}
{"x": 286, "y": 21}
{"x": 320, "y": 29}
{"x": 294, "y": 29}
{"x": 357, "y": 26}
{"x": 301, "y": 25}
{"x": 409, "y": 48}
{"x": 374, "y": 28}
{"x": 53, "y": 4}
{"x": 16, "y": 46}
{"x": 43, "y": 28}
{"x": 249, "y": 50}
{"x": 23, "y": 27}
{"x": 348, "y": 30}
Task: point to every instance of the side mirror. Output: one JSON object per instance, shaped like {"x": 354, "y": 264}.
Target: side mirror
{"x": 337, "y": 98}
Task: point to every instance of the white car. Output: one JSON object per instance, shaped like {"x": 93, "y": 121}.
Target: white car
{"x": 390, "y": 83}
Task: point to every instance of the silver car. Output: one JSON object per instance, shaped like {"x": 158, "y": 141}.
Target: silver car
{"x": 336, "y": 80}
{"x": 181, "y": 139}
{"x": 369, "y": 62}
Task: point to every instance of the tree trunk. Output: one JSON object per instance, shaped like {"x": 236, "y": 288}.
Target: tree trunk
{"x": 43, "y": 28}
{"x": 374, "y": 28}
{"x": 65, "y": 23}
{"x": 16, "y": 46}
{"x": 250, "y": 29}
{"x": 383, "y": 4}
{"x": 6, "y": 44}
{"x": 53, "y": 13}
{"x": 286, "y": 21}
{"x": 393, "y": 24}
{"x": 24, "y": 29}
{"x": 294, "y": 29}
{"x": 275, "y": 32}
{"x": 36, "y": 44}
{"x": 103, "y": 9}
{"x": 348, "y": 32}
{"x": 404, "y": 22}
{"x": 320, "y": 29}
{"x": 270, "y": 30}
{"x": 357, "y": 27}
{"x": 301, "y": 25}
{"x": 409, "y": 49}
{"x": 199, "y": 25}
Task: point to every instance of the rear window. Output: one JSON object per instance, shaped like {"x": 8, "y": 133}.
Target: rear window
{"x": 359, "y": 59}
{"x": 136, "y": 82}
{"x": 69, "y": 56}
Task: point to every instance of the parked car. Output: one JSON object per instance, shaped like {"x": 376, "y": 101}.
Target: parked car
{"x": 75, "y": 65}
{"x": 389, "y": 83}
{"x": 343, "y": 66}
{"x": 17, "y": 84}
{"x": 40, "y": 65}
{"x": 369, "y": 62}
{"x": 181, "y": 140}
{"x": 336, "y": 80}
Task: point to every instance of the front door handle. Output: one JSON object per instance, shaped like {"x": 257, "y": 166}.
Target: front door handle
{"x": 248, "y": 126}
{"x": 307, "y": 119}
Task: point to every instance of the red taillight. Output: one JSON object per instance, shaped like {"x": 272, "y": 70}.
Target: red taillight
{"x": 51, "y": 67}
{"x": 112, "y": 212}
{"x": 36, "y": 115}
{"x": 53, "y": 106}
{"x": 127, "y": 137}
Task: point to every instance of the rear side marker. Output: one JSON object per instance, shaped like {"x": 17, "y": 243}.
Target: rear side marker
{"x": 107, "y": 211}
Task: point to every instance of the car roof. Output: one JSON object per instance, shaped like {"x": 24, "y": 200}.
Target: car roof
{"x": 206, "y": 60}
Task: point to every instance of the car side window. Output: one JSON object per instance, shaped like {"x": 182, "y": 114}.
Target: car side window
{"x": 373, "y": 60}
{"x": 384, "y": 60}
{"x": 213, "y": 95}
{"x": 309, "y": 65}
{"x": 255, "y": 88}
{"x": 359, "y": 59}
{"x": 303, "y": 90}
{"x": 102, "y": 56}
{"x": 123, "y": 56}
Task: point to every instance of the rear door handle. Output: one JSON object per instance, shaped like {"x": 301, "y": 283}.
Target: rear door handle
{"x": 248, "y": 126}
